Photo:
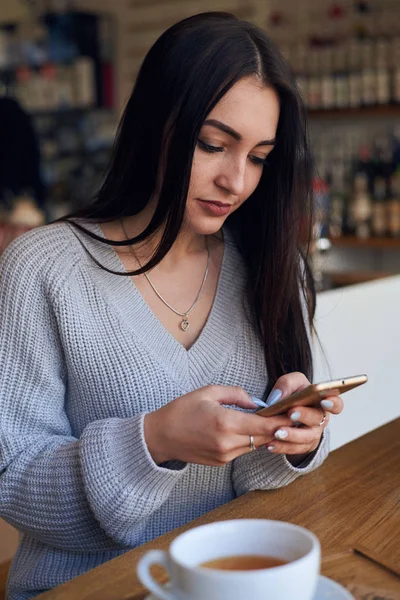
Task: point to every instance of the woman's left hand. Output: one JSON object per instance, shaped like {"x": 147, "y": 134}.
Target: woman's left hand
{"x": 308, "y": 423}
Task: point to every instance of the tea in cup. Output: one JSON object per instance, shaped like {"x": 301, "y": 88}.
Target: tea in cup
{"x": 243, "y": 559}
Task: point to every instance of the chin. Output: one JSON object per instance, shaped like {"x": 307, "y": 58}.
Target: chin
{"x": 205, "y": 226}
{"x": 200, "y": 223}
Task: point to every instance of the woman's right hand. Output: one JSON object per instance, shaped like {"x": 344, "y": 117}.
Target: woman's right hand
{"x": 196, "y": 427}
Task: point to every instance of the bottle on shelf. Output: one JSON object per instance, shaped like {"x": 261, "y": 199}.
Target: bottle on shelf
{"x": 327, "y": 79}
{"x": 396, "y": 147}
{"x": 368, "y": 74}
{"x": 355, "y": 80}
{"x": 298, "y": 61}
{"x": 337, "y": 201}
{"x": 85, "y": 83}
{"x": 393, "y": 205}
{"x": 314, "y": 80}
{"x": 395, "y": 65}
{"x": 378, "y": 219}
{"x": 322, "y": 207}
{"x": 383, "y": 91}
{"x": 381, "y": 169}
{"x": 341, "y": 76}
{"x": 361, "y": 206}
{"x": 396, "y": 85}
{"x": 321, "y": 242}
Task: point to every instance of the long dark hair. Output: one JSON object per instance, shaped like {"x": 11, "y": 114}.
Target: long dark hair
{"x": 184, "y": 75}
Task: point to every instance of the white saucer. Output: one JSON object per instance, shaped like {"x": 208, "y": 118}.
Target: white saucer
{"x": 327, "y": 589}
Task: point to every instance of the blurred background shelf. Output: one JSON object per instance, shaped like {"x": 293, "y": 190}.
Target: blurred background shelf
{"x": 357, "y": 112}
{"x": 370, "y": 243}
{"x": 57, "y": 89}
{"x": 345, "y": 57}
{"x": 342, "y": 278}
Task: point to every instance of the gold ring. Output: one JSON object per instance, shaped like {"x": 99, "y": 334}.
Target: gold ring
{"x": 252, "y": 444}
{"x": 323, "y": 418}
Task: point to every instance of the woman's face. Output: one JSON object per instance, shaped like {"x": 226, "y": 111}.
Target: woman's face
{"x": 232, "y": 147}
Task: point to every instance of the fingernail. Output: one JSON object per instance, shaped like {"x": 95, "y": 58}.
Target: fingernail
{"x": 274, "y": 396}
{"x": 258, "y": 402}
{"x": 296, "y": 415}
{"x": 326, "y": 404}
{"x": 281, "y": 434}
{"x": 271, "y": 448}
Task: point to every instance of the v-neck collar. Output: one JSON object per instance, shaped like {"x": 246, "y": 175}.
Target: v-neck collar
{"x": 201, "y": 363}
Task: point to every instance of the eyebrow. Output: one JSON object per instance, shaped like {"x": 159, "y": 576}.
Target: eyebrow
{"x": 236, "y": 136}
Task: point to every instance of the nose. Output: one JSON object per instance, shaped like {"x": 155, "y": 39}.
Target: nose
{"x": 231, "y": 176}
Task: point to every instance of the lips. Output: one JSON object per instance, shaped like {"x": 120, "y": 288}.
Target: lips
{"x": 223, "y": 204}
{"x": 215, "y": 208}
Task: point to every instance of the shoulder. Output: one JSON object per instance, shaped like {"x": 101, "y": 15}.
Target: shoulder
{"x": 41, "y": 255}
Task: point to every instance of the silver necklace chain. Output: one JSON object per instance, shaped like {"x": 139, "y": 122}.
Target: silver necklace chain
{"x": 185, "y": 324}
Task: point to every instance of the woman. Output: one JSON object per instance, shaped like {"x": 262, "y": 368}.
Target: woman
{"x": 130, "y": 327}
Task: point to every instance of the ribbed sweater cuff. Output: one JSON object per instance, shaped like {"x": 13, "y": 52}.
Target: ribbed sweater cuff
{"x": 315, "y": 458}
{"x": 122, "y": 482}
{"x": 263, "y": 470}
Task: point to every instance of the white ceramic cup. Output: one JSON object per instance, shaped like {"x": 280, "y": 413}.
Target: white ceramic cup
{"x": 296, "y": 580}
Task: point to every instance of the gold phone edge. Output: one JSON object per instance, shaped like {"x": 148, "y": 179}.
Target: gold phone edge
{"x": 318, "y": 388}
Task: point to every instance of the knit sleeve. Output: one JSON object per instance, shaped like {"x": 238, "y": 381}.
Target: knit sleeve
{"x": 87, "y": 494}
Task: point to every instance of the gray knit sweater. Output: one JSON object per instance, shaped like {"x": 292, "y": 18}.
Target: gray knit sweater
{"x": 82, "y": 359}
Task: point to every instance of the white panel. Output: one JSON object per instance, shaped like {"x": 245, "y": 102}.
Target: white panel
{"x": 359, "y": 327}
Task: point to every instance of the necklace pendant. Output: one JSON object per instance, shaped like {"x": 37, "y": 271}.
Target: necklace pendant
{"x": 185, "y": 323}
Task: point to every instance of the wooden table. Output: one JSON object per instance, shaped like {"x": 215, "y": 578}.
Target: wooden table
{"x": 353, "y": 498}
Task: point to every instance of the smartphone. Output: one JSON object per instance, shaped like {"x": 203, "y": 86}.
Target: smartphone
{"x": 313, "y": 394}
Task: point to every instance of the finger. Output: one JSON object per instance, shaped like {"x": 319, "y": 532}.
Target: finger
{"x": 302, "y": 436}
{"x": 262, "y": 433}
{"x": 333, "y": 404}
{"x": 231, "y": 395}
{"x": 310, "y": 417}
{"x": 246, "y": 424}
{"x": 296, "y": 440}
{"x": 243, "y": 444}
{"x": 286, "y": 385}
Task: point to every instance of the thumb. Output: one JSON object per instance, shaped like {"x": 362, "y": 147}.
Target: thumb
{"x": 232, "y": 395}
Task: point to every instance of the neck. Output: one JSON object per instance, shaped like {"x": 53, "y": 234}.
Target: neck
{"x": 186, "y": 244}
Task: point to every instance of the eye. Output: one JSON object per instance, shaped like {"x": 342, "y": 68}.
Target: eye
{"x": 256, "y": 160}
{"x": 208, "y": 148}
